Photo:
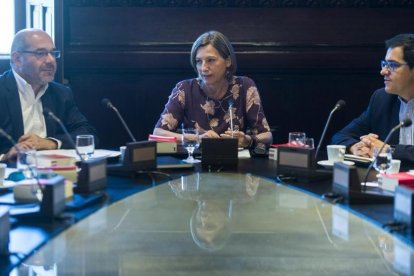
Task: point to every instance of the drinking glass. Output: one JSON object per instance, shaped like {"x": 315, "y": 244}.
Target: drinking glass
{"x": 382, "y": 159}
{"x": 297, "y": 139}
{"x": 27, "y": 163}
{"x": 309, "y": 143}
{"x": 191, "y": 141}
{"x": 85, "y": 146}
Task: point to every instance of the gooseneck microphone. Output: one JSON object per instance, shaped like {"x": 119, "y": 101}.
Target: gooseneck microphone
{"x": 340, "y": 104}
{"x": 231, "y": 103}
{"x": 9, "y": 138}
{"x": 107, "y": 103}
{"x": 48, "y": 113}
{"x": 404, "y": 123}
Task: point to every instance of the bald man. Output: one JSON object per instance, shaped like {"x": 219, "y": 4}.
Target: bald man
{"x": 28, "y": 89}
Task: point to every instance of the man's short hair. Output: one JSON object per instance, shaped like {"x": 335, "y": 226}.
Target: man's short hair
{"x": 406, "y": 41}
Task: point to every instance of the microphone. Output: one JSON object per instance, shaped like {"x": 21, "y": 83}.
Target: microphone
{"x": 404, "y": 123}
{"x": 48, "y": 113}
{"x": 340, "y": 104}
{"x": 231, "y": 103}
{"x": 107, "y": 103}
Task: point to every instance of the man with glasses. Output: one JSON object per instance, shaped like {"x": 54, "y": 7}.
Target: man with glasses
{"x": 28, "y": 89}
{"x": 387, "y": 107}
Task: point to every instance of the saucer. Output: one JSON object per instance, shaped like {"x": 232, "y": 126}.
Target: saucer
{"x": 7, "y": 184}
{"x": 329, "y": 164}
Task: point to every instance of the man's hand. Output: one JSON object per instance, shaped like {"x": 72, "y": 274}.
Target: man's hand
{"x": 360, "y": 149}
{"x": 11, "y": 155}
{"x": 36, "y": 142}
{"x": 366, "y": 146}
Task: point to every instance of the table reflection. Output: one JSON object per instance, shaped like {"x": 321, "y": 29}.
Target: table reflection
{"x": 210, "y": 223}
{"x": 223, "y": 224}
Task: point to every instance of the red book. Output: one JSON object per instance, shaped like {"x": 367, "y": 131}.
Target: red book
{"x": 279, "y": 145}
{"x": 158, "y": 138}
{"x": 390, "y": 181}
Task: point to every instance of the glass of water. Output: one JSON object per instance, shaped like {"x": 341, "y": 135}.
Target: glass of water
{"x": 382, "y": 159}
{"x": 85, "y": 146}
{"x": 297, "y": 139}
{"x": 191, "y": 141}
{"x": 27, "y": 163}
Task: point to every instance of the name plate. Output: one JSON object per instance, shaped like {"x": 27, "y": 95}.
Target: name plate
{"x": 290, "y": 158}
{"x": 92, "y": 176}
{"x": 403, "y": 205}
{"x": 345, "y": 179}
{"x": 141, "y": 155}
{"x": 300, "y": 163}
{"x": 53, "y": 200}
{"x": 4, "y": 231}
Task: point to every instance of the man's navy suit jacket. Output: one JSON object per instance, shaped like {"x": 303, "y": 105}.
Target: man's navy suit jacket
{"x": 379, "y": 118}
{"x": 57, "y": 98}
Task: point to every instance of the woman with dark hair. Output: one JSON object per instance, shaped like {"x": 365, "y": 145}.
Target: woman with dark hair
{"x": 204, "y": 103}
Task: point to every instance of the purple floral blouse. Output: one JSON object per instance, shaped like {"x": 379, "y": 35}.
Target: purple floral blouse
{"x": 188, "y": 104}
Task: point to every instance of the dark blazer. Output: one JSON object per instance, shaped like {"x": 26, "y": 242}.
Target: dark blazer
{"x": 380, "y": 117}
{"x": 57, "y": 98}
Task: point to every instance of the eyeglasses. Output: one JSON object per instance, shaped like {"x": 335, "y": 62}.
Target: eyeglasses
{"x": 391, "y": 65}
{"x": 43, "y": 53}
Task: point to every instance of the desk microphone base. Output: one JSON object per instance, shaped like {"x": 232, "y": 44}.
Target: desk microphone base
{"x": 369, "y": 195}
{"x": 305, "y": 175}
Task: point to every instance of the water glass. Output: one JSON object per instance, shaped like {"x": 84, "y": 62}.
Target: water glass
{"x": 297, "y": 139}
{"x": 191, "y": 141}
{"x": 85, "y": 146}
{"x": 27, "y": 163}
{"x": 382, "y": 159}
{"x": 309, "y": 143}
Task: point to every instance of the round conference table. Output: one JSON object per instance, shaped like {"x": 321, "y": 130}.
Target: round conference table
{"x": 222, "y": 224}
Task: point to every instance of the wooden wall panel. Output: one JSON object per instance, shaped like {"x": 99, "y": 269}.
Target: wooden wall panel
{"x": 302, "y": 59}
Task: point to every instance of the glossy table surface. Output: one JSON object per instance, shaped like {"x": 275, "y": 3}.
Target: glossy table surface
{"x": 222, "y": 224}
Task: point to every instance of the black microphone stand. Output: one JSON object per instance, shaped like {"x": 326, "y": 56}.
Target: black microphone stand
{"x": 338, "y": 106}
{"x": 50, "y": 114}
{"x": 109, "y": 105}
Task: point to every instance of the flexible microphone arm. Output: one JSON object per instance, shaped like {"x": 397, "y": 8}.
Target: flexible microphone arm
{"x": 107, "y": 103}
{"x": 231, "y": 117}
{"x": 48, "y": 113}
{"x": 404, "y": 123}
{"x": 340, "y": 104}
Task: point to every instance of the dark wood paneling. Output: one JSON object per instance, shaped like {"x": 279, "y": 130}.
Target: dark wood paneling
{"x": 303, "y": 60}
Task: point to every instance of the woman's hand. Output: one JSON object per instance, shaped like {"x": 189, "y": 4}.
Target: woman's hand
{"x": 244, "y": 140}
{"x": 209, "y": 134}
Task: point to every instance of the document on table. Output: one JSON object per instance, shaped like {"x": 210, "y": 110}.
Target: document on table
{"x": 356, "y": 158}
{"x": 98, "y": 153}
{"x": 245, "y": 153}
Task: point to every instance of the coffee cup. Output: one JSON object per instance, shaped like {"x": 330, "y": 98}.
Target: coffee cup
{"x": 3, "y": 167}
{"x": 336, "y": 153}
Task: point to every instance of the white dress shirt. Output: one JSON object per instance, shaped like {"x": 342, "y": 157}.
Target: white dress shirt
{"x": 407, "y": 133}
{"x": 32, "y": 108}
